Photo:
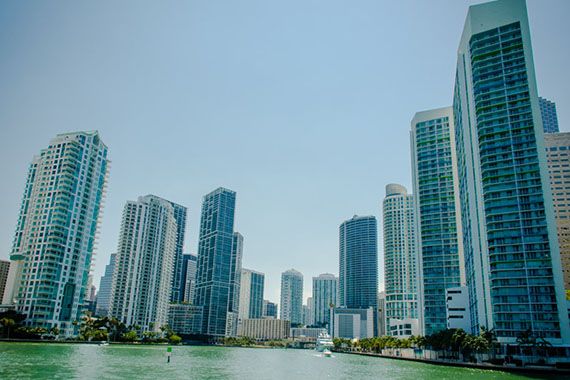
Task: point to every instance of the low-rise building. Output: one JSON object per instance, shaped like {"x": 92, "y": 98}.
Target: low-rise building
{"x": 353, "y": 323}
{"x": 185, "y": 319}
{"x": 306, "y": 333}
{"x": 457, "y": 308}
{"x": 404, "y": 328}
{"x": 264, "y": 329}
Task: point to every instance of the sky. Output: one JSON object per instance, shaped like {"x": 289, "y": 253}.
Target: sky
{"x": 302, "y": 107}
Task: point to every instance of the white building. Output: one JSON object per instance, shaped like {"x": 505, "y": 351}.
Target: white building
{"x": 400, "y": 250}
{"x": 558, "y": 158}
{"x": 251, "y": 294}
{"x": 264, "y": 329}
{"x": 511, "y": 251}
{"x": 57, "y": 229}
{"x": 457, "y": 308}
{"x": 353, "y": 323}
{"x": 291, "y": 308}
{"x": 142, "y": 280}
{"x": 306, "y": 333}
{"x": 403, "y": 328}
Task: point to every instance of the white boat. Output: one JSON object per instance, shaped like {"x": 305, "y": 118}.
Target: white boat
{"x": 327, "y": 353}
{"x": 324, "y": 342}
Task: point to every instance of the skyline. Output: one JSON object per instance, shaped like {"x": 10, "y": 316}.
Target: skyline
{"x": 305, "y": 213}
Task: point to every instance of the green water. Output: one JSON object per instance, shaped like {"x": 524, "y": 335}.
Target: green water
{"x": 75, "y": 361}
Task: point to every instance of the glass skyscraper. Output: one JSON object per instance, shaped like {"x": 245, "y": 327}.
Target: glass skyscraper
{"x": 188, "y": 279}
{"x": 548, "y": 115}
{"x": 358, "y": 263}
{"x": 105, "y": 285}
{"x": 177, "y": 294}
{"x": 251, "y": 294}
{"x": 213, "y": 277}
{"x": 292, "y": 296}
{"x": 144, "y": 265}
{"x": 325, "y": 296}
{"x": 57, "y": 229}
{"x": 400, "y": 251}
{"x": 512, "y": 257}
{"x": 434, "y": 174}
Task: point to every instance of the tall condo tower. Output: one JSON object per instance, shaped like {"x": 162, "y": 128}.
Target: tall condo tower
{"x": 438, "y": 226}
{"x": 512, "y": 259}
{"x": 57, "y": 229}
{"x": 400, "y": 268}
{"x": 292, "y": 296}
{"x": 142, "y": 281}
{"x": 558, "y": 158}
{"x": 325, "y": 296}
{"x": 548, "y": 115}
{"x": 215, "y": 254}
{"x": 105, "y": 286}
{"x": 251, "y": 294}
{"x": 358, "y": 263}
{"x": 189, "y": 268}
{"x": 177, "y": 293}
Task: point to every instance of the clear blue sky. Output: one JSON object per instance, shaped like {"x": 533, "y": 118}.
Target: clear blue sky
{"x": 302, "y": 107}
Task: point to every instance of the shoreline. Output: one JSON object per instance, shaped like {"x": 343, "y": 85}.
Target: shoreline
{"x": 530, "y": 370}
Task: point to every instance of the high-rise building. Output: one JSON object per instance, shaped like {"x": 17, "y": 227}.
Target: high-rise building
{"x": 235, "y": 284}
{"x": 358, "y": 264}
{"x": 400, "y": 251}
{"x": 105, "y": 285}
{"x": 178, "y": 284}
{"x": 309, "y": 312}
{"x": 189, "y": 262}
{"x": 292, "y": 296}
{"x": 269, "y": 309}
{"x": 438, "y": 227}
{"x": 558, "y": 159}
{"x": 144, "y": 265}
{"x": 548, "y": 115}
{"x": 4, "y": 269}
{"x": 512, "y": 259}
{"x": 57, "y": 229}
{"x": 325, "y": 297}
{"x": 251, "y": 294}
{"x": 215, "y": 253}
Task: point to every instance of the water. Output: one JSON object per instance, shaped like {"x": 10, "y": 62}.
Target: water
{"x": 75, "y": 361}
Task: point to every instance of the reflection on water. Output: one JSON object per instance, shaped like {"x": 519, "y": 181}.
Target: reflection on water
{"x": 77, "y": 361}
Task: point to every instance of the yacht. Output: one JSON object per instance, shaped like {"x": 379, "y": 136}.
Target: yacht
{"x": 324, "y": 342}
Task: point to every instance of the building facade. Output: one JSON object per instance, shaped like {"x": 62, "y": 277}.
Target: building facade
{"x": 177, "y": 293}
{"x": 56, "y": 231}
{"x": 358, "y": 263}
{"x": 4, "y": 270}
{"x": 185, "y": 319}
{"x": 105, "y": 285}
{"x": 144, "y": 266}
{"x": 215, "y": 253}
{"x": 189, "y": 265}
{"x": 558, "y": 159}
{"x": 457, "y": 313}
{"x": 269, "y": 309}
{"x": 511, "y": 248}
{"x": 352, "y": 323}
{"x": 292, "y": 296}
{"x": 548, "y": 115}
{"x": 251, "y": 294}
{"x": 438, "y": 225}
{"x": 325, "y": 297}
{"x": 400, "y": 251}
{"x": 264, "y": 329}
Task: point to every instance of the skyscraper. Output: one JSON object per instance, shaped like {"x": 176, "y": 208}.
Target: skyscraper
{"x": 558, "y": 160}
{"x": 325, "y": 296}
{"x": 438, "y": 227}
{"x": 512, "y": 258}
{"x": 400, "y": 250}
{"x": 4, "y": 269}
{"x": 142, "y": 281}
{"x": 105, "y": 286}
{"x": 251, "y": 294}
{"x": 189, "y": 268}
{"x": 235, "y": 284}
{"x": 57, "y": 229}
{"x": 358, "y": 246}
{"x": 292, "y": 296}
{"x": 548, "y": 115}
{"x": 213, "y": 277}
{"x": 177, "y": 293}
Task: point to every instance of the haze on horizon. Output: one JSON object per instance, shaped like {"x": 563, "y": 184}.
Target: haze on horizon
{"x": 303, "y": 107}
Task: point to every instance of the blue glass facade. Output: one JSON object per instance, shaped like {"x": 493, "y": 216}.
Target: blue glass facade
{"x": 256, "y": 295}
{"x": 215, "y": 259}
{"x": 358, "y": 264}
{"x": 177, "y": 294}
{"x": 548, "y": 115}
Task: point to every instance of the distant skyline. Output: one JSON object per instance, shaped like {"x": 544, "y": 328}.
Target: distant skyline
{"x": 302, "y": 108}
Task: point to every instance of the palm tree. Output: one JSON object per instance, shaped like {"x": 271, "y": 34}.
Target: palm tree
{"x": 7, "y": 323}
